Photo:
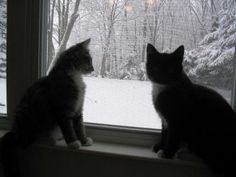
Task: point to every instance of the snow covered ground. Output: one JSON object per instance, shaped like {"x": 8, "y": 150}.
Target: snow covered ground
{"x": 120, "y": 102}
{"x": 3, "y": 94}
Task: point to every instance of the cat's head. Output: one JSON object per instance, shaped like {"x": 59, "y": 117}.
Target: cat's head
{"x": 164, "y": 68}
{"x": 77, "y": 58}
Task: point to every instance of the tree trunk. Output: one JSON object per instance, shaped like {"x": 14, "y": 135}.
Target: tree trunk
{"x": 144, "y": 32}
{"x": 51, "y": 49}
{"x": 66, "y": 36}
{"x": 105, "y": 53}
{"x": 156, "y": 21}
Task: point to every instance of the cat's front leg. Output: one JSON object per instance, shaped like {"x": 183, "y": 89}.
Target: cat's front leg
{"x": 172, "y": 143}
{"x": 69, "y": 134}
{"x": 81, "y": 132}
{"x": 158, "y": 146}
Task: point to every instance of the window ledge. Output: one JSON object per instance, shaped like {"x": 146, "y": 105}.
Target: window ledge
{"x": 106, "y": 157}
{"x": 125, "y": 150}
{"x": 130, "y": 152}
{"x": 115, "y": 149}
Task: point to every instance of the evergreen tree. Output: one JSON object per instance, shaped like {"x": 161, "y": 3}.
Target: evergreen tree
{"x": 211, "y": 63}
{"x": 3, "y": 31}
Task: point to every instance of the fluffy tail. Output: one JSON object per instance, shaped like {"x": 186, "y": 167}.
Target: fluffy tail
{"x": 9, "y": 155}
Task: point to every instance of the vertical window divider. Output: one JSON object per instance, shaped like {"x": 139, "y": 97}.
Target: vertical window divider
{"x": 44, "y": 11}
{"x": 233, "y": 93}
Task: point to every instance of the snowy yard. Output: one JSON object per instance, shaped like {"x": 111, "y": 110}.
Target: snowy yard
{"x": 120, "y": 102}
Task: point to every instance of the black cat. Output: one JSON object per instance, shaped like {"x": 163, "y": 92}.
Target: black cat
{"x": 192, "y": 115}
{"x": 54, "y": 100}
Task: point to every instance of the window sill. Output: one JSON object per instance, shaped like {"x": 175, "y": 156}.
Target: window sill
{"x": 122, "y": 150}
{"x": 125, "y": 150}
{"x": 132, "y": 152}
{"x": 114, "y": 149}
{"x": 104, "y": 159}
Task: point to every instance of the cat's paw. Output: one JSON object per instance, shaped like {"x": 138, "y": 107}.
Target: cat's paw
{"x": 161, "y": 154}
{"x": 155, "y": 148}
{"x": 88, "y": 142}
{"x": 74, "y": 145}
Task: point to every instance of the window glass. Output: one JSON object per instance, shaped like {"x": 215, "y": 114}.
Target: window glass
{"x": 3, "y": 46}
{"x": 118, "y": 92}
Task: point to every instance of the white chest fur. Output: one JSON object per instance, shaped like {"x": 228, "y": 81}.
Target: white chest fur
{"x": 156, "y": 90}
{"x": 78, "y": 79}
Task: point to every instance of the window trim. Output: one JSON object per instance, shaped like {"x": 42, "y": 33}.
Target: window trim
{"x": 233, "y": 92}
{"x": 24, "y": 50}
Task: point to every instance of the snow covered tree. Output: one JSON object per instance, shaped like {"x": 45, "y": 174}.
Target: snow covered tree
{"x": 3, "y": 33}
{"x": 132, "y": 69}
{"x": 121, "y": 29}
{"x": 212, "y": 60}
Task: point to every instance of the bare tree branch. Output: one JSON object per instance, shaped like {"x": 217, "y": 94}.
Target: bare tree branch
{"x": 66, "y": 36}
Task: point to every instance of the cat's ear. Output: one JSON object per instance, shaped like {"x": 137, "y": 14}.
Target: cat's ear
{"x": 86, "y": 43}
{"x": 179, "y": 52}
{"x": 151, "y": 49}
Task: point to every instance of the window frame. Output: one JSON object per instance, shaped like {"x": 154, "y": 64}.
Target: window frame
{"x": 29, "y": 17}
{"x": 24, "y": 51}
{"x": 233, "y": 92}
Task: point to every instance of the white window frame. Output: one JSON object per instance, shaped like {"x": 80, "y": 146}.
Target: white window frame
{"x": 26, "y": 52}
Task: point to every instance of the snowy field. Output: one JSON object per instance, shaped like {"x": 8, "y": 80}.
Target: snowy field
{"x": 3, "y": 109}
{"x": 120, "y": 102}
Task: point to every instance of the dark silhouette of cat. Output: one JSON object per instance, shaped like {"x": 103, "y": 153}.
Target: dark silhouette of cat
{"x": 192, "y": 115}
{"x": 53, "y": 101}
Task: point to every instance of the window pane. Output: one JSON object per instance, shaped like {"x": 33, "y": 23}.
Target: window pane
{"x": 118, "y": 92}
{"x": 210, "y": 62}
{"x": 3, "y": 45}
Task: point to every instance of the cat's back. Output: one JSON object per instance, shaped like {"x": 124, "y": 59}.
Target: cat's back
{"x": 58, "y": 91}
{"x": 33, "y": 107}
{"x": 35, "y": 92}
{"x": 198, "y": 101}
{"x": 211, "y": 101}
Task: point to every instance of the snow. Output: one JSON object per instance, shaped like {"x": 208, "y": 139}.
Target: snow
{"x": 120, "y": 102}
{"x": 3, "y": 109}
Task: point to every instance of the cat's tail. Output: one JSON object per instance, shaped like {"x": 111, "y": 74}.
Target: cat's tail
{"x": 9, "y": 155}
